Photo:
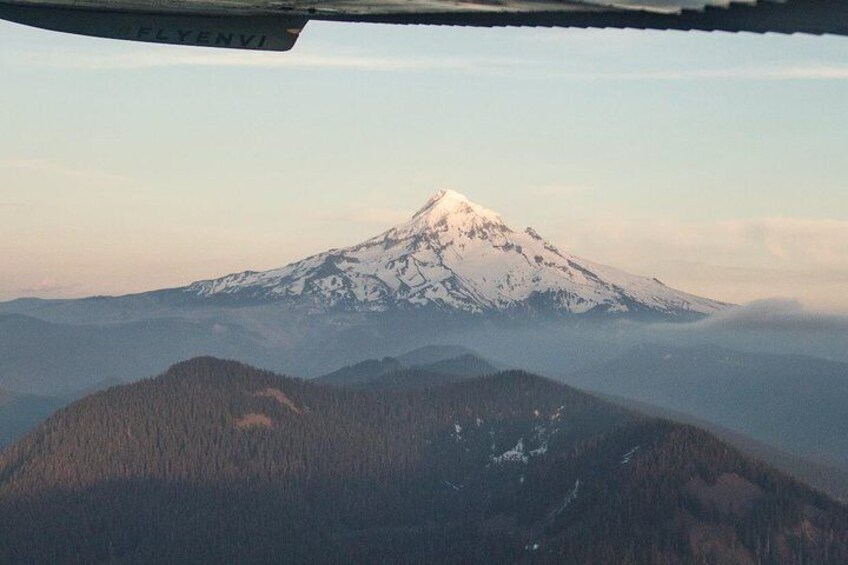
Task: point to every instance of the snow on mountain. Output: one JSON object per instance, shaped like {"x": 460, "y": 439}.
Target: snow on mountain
{"x": 456, "y": 255}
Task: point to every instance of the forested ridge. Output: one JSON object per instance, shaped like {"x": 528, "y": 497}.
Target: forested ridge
{"x": 217, "y": 462}
{"x": 420, "y": 372}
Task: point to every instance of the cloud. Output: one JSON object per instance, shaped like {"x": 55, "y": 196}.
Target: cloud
{"x": 46, "y": 285}
{"x": 802, "y": 240}
{"x": 561, "y": 190}
{"x": 783, "y": 243}
{"x": 735, "y": 260}
{"x": 378, "y": 216}
{"x": 49, "y": 167}
{"x": 148, "y": 58}
{"x": 810, "y": 71}
{"x": 371, "y": 216}
{"x": 775, "y": 315}
{"x": 814, "y": 72}
{"x": 152, "y": 57}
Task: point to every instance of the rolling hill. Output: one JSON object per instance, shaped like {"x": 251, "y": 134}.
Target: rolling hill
{"x": 217, "y": 462}
{"x": 421, "y": 367}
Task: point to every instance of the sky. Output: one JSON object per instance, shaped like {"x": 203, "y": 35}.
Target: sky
{"x": 714, "y": 162}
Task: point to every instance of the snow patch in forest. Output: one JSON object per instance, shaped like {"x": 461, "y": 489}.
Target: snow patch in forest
{"x": 567, "y": 501}
{"x": 514, "y": 455}
{"x": 625, "y": 459}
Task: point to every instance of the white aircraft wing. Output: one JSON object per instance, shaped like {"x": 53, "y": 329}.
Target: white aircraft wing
{"x": 274, "y": 25}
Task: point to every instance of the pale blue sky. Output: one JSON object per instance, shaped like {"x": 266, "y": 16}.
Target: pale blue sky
{"x": 715, "y": 162}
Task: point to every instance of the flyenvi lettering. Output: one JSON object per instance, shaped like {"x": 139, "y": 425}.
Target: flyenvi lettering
{"x": 200, "y": 37}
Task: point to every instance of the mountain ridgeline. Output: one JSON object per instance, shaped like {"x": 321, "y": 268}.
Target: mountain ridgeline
{"x": 458, "y": 256}
{"x": 423, "y": 367}
{"x": 217, "y": 462}
{"x": 793, "y": 402}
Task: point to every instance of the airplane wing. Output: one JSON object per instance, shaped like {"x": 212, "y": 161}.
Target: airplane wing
{"x": 274, "y": 25}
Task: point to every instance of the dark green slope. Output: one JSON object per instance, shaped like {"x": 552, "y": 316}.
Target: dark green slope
{"x": 832, "y": 481}
{"x": 216, "y": 462}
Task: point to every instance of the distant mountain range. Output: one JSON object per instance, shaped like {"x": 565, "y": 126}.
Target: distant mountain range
{"x": 217, "y": 462}
{"x": 793, "y": 402}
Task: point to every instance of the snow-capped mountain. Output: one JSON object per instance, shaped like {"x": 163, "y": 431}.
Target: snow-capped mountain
{"x": 456, "y": 255}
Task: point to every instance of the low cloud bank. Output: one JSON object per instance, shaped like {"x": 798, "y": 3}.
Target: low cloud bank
{"x": 775, "y": 315}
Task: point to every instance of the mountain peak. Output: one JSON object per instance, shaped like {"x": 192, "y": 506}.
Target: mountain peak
{"x": 456, "y": 255}
{"x": 446, "y": 195}
{"x": 444, "y": 198}
{"x": 451, "y": 207}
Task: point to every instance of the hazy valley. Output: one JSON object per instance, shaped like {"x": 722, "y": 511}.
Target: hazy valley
{"x": 413, "y": 426}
